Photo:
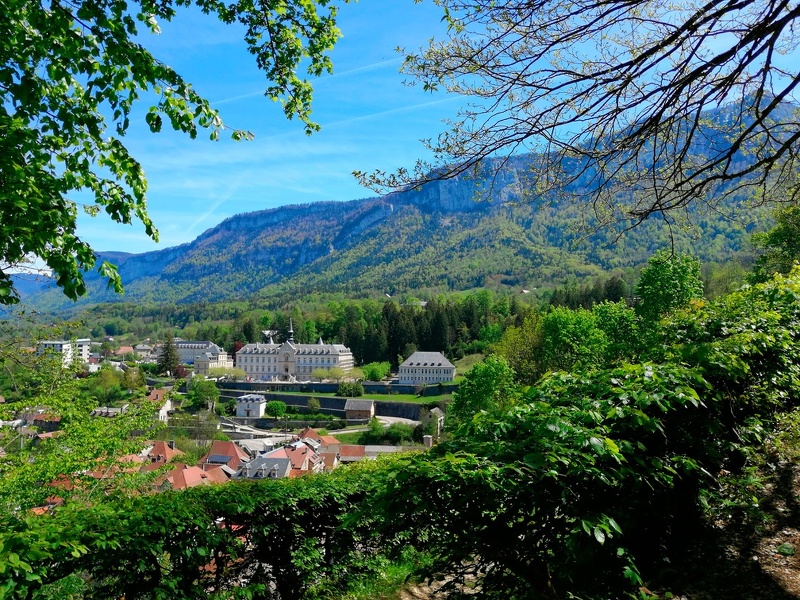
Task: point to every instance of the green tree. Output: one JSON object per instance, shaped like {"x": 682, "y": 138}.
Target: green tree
{"x": 203, "y": 393}
{"x": 275, "y": 409}
{"x": 780, "y": 245}
{"x": 616, "y": 96}
{"x": 313, "y": 405}
{"x": 489, "y": 385}
{"x": 168, "y": 357}
{"x": 376, "y": 371}
{"x": 521, "y": 347}
{"x": 229, "y": 373}
{"x": 571, "y": 339}
{"x": 669, "y": 281}
{"x": 70, "y": 75}
{"x": 621, "y": 328}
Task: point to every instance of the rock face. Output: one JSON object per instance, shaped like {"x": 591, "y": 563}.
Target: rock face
{"x": 283, "y": 240}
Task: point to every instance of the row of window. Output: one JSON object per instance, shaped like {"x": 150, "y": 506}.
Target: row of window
{"x": 256, "y": 360}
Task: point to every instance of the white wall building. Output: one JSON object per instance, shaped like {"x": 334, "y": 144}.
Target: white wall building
{"x": 291, "y": 361}
{"x": 209, "y": 360}
{"x": 422, "y": 368}
{"x": 188, "y": 351}
{"x": 83, "y": 350}
{"x": 61, "y": 348}
{"x": 251, "y": 405}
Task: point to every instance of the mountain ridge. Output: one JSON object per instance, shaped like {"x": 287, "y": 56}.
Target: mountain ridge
{"x": 437, "y": 238}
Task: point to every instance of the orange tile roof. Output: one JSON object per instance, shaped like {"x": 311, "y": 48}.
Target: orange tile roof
{"x": 220, "y": 448}
{"x": 352, "y": 450}
{"x": 184, "y": 477}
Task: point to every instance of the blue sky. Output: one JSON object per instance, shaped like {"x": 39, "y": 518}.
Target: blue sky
{"x": 369, "y": 118}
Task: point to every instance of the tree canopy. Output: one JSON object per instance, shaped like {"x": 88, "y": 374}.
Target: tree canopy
{"x": 614, "y": 97}
{"x": 70, "y": 74}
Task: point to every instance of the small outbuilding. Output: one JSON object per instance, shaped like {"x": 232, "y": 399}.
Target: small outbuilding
{"x": 251, "y": 405}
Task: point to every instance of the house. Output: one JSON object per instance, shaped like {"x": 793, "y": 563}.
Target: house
{"x": 124, "y": 351}
{"x": 204, "y": 362}
{"x": 351, "y": 453}
{"x": 258, "y": 446}
{"x": 265, "y": 467}
{"x": 251, "y": 405}
{"x": 160, "y": 397}
{"x": 327, "y": 443}
{"x": 145, "y": 352}
{"x": 223, "y": 453}
{"x": 359, "y": 409}
{"x": 291, "y": 361}
{"x": 160, "y": 454}
{"x": 435, "y": 416}
{"x": 302, "y": 455}
{"x": 423, "y": 368}
{"x": 109, "y": 411}
{"x": 183, "y": 476}
{"x": 46, "y": 422}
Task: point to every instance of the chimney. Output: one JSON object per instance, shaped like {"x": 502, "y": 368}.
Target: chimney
{"x": 171, "y": 444}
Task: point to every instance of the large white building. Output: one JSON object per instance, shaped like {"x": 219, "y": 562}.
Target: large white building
{"x": 70, "y": 351}
{"x": 188, "y": 351}
{"x": 291, "y": 361}
{"x": 61, "y": 348}
{"x": 422, "y": 368}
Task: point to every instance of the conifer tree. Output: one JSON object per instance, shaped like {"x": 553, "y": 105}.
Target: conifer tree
{"x": 168, "y": 358}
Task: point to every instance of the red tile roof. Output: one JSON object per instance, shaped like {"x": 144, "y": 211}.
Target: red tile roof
{"x": 224, "y": 449}
{"x": 351, "y": 451}
{"x": 183, "y": 477}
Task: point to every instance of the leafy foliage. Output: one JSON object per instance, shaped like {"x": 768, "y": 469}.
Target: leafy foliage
{"x": 203, "y": 393}
{"x": 70, "y": 76}
{"x": 488, "y": 386}
{"x": 780, "y": 245}
{"x": 376, "y": 371}
{"x": 350, "y": 389}
{"x": 668, "y": 282}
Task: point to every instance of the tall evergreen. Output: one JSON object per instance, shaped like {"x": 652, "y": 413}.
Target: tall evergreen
{"x": 168, "y": 358}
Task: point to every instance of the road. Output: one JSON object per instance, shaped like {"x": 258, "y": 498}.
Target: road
{"x": 230, "y": 425}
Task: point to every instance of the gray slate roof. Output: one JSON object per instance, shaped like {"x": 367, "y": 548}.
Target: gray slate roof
{"x": 427, "y": 359}
{"x": 352, "y": 404}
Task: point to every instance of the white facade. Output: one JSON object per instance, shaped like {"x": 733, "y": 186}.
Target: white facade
{"x": 251, "y": 405}
{"x": 290, "y": 361}
{"x": 188, "y": 351}
{"x": 83, "y": 349}
{"x": 208, "y": 360}
{"x": 422, "y": 368}
{"x": 58, "y": 347}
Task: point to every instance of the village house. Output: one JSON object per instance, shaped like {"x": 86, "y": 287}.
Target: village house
{"x": 222, "y": 453}
{"x": 251, "y": 405}
{"x": 359, "y": 409}
{"x": 160, "y": 397}
{"x": 188, "y": 350}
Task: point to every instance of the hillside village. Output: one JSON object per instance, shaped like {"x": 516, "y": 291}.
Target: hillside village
{"x": 246, "y": 452}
